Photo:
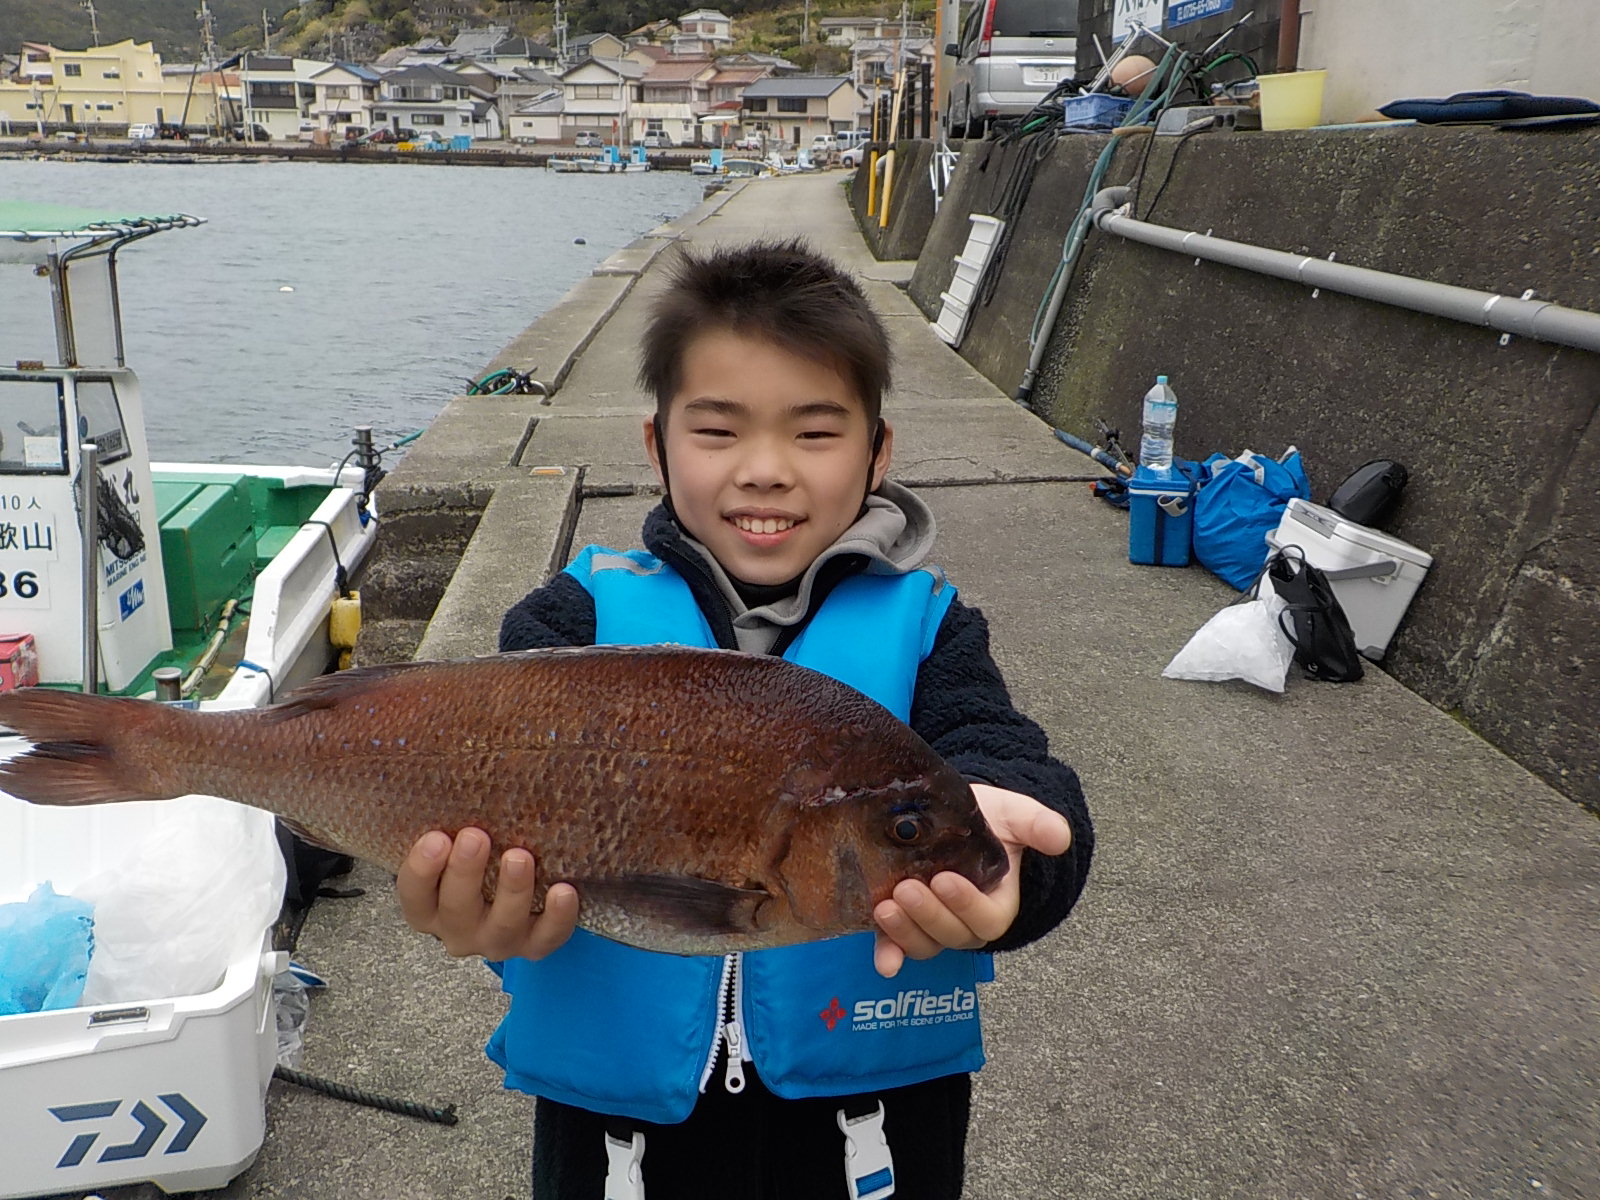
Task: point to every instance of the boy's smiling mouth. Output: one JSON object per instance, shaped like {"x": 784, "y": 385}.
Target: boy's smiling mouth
{"x": 749, "y": 523}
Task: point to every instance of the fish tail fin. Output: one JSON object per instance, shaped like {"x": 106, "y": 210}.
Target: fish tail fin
{"x": 80, "y": 752}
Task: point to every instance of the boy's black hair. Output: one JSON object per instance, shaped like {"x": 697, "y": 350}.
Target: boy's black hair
{"x": 780, "y": 291}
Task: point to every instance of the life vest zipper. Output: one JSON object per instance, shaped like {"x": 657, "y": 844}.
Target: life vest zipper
{"x": 730, "y": 1028}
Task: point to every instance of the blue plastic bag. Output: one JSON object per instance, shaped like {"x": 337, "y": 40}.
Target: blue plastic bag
{"x": 45, "y": 944}
{"x": 1241, "y": 501}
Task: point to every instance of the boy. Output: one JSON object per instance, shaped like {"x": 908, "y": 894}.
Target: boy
{"x": 840, "y": 1068}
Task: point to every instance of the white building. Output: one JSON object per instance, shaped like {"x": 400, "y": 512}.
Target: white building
{"x": 598, "y": 97}
{"x": 703, "y": 31}
{"x": 432, "y": 99}
{"x": 279, "y": 93}
{"x": 673, "y": 95}
{"x": 345, "y": 95}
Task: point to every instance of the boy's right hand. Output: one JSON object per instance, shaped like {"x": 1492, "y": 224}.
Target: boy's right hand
{"x": 440, "y": 886}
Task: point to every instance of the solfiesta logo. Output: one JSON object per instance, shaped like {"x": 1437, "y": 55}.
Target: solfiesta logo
{"x": 914, "y": 1006}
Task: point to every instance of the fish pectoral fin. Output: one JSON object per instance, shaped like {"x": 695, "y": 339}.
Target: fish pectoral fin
{"x": 681, "y": 901}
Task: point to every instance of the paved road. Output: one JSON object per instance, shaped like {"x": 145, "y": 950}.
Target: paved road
{"x": 1334, "y": 944}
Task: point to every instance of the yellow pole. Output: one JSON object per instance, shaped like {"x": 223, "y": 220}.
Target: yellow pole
{"x": 888, "y": 182}
{"x": 888, "y": 165}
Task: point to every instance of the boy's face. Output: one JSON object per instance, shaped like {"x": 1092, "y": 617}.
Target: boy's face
{"x": 768, "y": 455}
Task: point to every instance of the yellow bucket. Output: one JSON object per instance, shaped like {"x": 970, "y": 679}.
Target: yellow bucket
{"x": 1292, "y": 100}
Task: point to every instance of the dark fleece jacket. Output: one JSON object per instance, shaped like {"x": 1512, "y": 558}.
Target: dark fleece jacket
{"x": 960, "y": 707}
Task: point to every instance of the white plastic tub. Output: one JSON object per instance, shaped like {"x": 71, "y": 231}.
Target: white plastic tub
{"x": 1374, "y": 576}
{"x": 169, "y": 1090}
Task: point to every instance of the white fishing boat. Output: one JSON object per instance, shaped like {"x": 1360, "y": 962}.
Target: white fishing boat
{"x": 219, "y": 586}
{"x": 226, "y": 574}
{"x": 609, "y": 162}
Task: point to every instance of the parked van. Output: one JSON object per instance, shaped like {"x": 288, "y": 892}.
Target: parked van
{"x": 823, "y": 149}
{"x": 141, "y": 133}
{"x": 848, "y": 139}
{"x": 1012, "y": 54}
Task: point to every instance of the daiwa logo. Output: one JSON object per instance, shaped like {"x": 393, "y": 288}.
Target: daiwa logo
{"x": 151, "y": 1126}
{"x": 912, "y": 1007}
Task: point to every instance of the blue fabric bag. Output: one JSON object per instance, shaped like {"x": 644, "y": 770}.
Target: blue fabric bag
{"x": 1240, "y": 502}
{"x": 45, "y": 944}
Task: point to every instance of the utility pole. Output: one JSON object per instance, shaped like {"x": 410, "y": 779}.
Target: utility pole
{"x": 94, "y": 22}
{"x": 266, "y": 34}
{"x": 561, "y": 36}
{"x": 805, "y": 32}
{"x": 208, "y": 37}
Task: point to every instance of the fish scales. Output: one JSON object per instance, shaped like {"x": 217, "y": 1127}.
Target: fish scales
{"x": 697, "y": 799}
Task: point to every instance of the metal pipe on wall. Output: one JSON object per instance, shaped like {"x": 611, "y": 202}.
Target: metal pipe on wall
{"x": 1523, "y": 317}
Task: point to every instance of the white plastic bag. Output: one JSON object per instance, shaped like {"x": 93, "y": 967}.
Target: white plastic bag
{"x": 184, "y": 903}
{"x": 1243, "y": 641}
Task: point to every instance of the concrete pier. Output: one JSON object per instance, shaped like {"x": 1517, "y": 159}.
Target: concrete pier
{"x": 1334, "y": 944}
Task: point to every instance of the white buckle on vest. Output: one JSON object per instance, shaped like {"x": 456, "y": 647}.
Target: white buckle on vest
{"x": 624, "y": 1174}
{"x": 868, "y": 1166}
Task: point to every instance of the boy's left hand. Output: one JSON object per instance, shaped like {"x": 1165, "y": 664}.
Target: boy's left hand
{"x": 952, "y": 913}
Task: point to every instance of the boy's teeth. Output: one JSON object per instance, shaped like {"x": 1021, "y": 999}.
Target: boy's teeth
{"x": 763, "y": 524}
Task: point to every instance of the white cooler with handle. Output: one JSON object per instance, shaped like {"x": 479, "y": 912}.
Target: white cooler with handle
{"x": 1374, "y": 576}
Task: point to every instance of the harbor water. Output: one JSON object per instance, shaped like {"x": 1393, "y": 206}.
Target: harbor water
{"x": 321, "y": 296}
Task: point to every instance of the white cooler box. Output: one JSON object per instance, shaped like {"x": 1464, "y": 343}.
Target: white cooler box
{"x": 1374, "y": 576}
{"x": 170, "y": 1090}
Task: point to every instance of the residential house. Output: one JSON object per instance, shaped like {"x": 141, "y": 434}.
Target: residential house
{"x": 279, "y": 93}
{"x": 599, "y": 95}
{"x": 497, "y": 44}
{"x": 795, "y": 110}
{"x": 776, "y": 64}
{"x": 514, "y": 89}
{"x": 720, "y": 122}
{"x": 673, "y": 95}
{"x": 345, "y": 96}
{"x": 703, "y": 31}
{"x": 105, "y": 89}
{"x": 437, "y": 100}
{"x": 847, "y": 31}
{"x": 595, "y": 45}
{"x": 646, "y": 54}
{"x": 874, "y": 61}
{"x": 538, "y": 119}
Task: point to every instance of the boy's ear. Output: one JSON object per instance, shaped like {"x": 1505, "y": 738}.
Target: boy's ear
{"x": 654, "y": 448}
{"x": 880, "y": 461}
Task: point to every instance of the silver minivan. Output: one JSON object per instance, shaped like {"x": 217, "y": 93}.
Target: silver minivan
{"x": 1012, "y": 53}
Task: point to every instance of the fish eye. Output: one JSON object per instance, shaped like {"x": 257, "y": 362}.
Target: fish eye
{"x": 907, "y": 828}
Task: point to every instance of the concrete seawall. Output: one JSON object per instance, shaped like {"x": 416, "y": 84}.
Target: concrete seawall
{"x": 1501, "y": 440}
{"x": 1334, "y": 943}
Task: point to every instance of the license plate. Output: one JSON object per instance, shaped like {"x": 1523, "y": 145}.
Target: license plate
{"x": 1036, "y": 76}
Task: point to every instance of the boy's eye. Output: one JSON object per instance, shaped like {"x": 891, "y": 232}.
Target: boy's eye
{"x": 711, "y": 431}
{"x": 817, "y": 434}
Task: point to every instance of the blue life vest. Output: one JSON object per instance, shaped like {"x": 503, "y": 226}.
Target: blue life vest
{"x": 631, "y": 1032}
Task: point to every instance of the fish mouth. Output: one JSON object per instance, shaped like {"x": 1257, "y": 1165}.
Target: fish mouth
{"x": 993, "y": 861}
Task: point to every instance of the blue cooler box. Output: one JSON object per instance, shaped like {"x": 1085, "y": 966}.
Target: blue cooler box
{"x": 1160, "y": 518}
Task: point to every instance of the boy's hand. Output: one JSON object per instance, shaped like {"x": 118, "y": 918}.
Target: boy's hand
{"x": 440, "y": 886}
{"x": 952, "y": 913}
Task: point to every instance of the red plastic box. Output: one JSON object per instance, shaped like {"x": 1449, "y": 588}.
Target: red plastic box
{"x": 19, "y": 661}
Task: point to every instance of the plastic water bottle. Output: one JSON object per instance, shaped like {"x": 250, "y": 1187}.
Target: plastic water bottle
{"x": 1160, "y": 415}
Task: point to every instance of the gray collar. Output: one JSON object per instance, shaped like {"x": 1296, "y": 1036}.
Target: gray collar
{"x": 895, "y": 534}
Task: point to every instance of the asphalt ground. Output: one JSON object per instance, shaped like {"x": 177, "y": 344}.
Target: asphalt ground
{"x": 1333, "y": 944}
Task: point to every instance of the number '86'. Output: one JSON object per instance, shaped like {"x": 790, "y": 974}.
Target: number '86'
{"x": 24, "y": 585}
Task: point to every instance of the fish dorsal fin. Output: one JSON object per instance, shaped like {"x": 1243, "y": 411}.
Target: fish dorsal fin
{"x": 681, "y": 901}
{"x": 325, "y": 691}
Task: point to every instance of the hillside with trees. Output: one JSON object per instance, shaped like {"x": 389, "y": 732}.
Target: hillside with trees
{"x": 361, "y": 29}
